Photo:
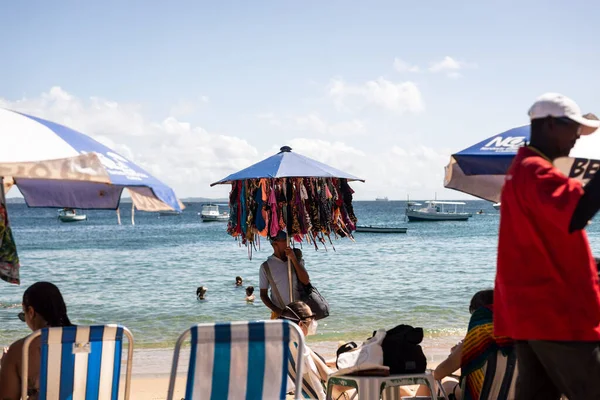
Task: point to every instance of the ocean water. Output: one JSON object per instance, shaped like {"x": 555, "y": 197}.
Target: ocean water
{"x": 145, "y": 276}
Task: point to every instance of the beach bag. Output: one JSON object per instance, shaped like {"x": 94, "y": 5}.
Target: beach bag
{"x": 352, "y": 359}
{"x": 317, "y": 303}
{"x": 402, "y": 352}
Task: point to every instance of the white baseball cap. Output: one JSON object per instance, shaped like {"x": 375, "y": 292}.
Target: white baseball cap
{"x": 558, "y": 106}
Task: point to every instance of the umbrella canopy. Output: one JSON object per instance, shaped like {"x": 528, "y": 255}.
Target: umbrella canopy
{"x": 305, "y": 198}
{"x": 287, "y": 164}
{"x": 480, "y": 169}
{"x": 55, "y": 166}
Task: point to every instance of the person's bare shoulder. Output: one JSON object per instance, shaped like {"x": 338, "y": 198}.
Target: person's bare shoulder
{"x": 14, "y": 352}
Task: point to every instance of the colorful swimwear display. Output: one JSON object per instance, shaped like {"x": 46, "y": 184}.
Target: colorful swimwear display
{"x": 309, "y": 209}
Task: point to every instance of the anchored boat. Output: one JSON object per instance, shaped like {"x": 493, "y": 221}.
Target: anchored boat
{"x": 380, "y": 229}
{"x": 438, "y": 211}
{"x": 70, "y": 215}
{"x": 211, "y": 213}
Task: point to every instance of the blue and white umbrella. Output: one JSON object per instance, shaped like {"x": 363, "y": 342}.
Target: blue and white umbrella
{"x": 55, "y": 166}
{"x": 287, "y": 164}
{"x": 479, "y": 170}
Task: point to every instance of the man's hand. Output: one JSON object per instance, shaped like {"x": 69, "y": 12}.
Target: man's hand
{"x": 290, "y": 253}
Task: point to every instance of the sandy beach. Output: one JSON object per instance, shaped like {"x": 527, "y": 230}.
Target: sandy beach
{"x": 151, "y": 367}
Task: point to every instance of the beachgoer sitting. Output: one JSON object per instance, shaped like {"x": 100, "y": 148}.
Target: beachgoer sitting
{"x": 43, "y": 306}
{"x": 472, "y": 353}
{"x": 201, "y": 292}
{"x": 238, "y": 281}
{"x": 250, "y": 294}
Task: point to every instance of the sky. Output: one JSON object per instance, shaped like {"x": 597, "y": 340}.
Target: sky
{"x": 384, "y": 90}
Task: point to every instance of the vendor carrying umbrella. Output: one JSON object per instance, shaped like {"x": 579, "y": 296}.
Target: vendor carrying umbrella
{"x": 303, "y": 198}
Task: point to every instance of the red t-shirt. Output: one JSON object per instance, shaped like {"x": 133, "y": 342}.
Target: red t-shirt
{"x": 546, "y": 280}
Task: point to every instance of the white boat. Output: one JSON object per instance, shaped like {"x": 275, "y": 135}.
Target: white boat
{"x": 211, "y": 213}
{"x": 496, "y": 206}
{"x": 380, "y": 229}
{"x": 438, "y": 211}
{"x": 69, "y": 215}
{"x": 381, "y": 199}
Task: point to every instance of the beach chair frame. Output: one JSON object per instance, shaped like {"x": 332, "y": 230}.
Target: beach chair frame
{"x": 83, "y": 346}
{"x": 204, "y": 332}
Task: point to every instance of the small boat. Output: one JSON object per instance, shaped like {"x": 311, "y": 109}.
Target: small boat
{"x": 380, "y": 229}
{"x": 496, "y": 206}
{"x": 169, "y": 213}
{"x": 70, "y": 215}
{"x": 381, "y": 199}
{"x": 436, "y": 211}
{"x": 211, "y": 213}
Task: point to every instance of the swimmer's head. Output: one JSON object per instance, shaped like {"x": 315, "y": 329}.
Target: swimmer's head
{"x": 238, "y": 281}
{"x": 249, "y": 290}
{"x": 201, "y": 292}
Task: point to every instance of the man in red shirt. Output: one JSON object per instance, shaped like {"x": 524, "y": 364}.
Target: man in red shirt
{"x": 547, "y": 296}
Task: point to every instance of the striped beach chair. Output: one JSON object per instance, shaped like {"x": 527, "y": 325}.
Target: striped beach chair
{"x": 238, "y": 360}
{"x": 80, "y": 362}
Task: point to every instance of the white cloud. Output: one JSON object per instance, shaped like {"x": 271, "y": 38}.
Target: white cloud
{"x": 189, "y": 158}
{"x": 399, "y": 97}
{"x": 403, "y": 66}
{"x": 450, "y": 67}
{"x": 394, "y": 172}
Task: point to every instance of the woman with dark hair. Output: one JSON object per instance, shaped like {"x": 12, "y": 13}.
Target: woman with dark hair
{"x": 43, "y": 306}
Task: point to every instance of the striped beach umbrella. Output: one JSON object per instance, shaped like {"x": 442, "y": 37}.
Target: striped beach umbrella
{"x": 55, "y": 166}
{"x": 479, "y": 170}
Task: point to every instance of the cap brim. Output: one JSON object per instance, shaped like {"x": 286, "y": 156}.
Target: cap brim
{"x": 588, "y": 126}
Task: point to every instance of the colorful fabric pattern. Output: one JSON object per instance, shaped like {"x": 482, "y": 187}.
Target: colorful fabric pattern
{"x": 479, "y": 344}
{"x": 9, "y": 259}
{"x": 308, "y": 209}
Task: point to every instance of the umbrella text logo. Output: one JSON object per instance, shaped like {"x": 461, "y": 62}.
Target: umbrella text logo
{"x": 584, "y": 169}
{"x": 509, "y": 143}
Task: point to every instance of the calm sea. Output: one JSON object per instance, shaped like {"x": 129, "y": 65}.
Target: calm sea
{"x": 145, "y": 276}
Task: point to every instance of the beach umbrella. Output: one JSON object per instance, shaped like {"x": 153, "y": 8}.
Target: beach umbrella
{"x": 55, "y": 166}
{"x": 479, "y": 170}
{"x": 307, "y": 199}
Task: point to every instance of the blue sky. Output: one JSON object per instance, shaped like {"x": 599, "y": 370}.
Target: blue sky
{"x": 386, "y": 90}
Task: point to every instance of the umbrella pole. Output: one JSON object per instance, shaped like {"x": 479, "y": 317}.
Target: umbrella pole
{"x": 118, "y": 216}
{"x": 290, "y": 271}
{"x": 132, "y": 213}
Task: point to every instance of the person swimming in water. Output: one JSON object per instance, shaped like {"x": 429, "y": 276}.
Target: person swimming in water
{"x": 201, "y": 292}
{"x": 250, "y": 294}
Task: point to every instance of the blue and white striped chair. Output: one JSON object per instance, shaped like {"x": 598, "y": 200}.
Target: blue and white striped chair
{"x": 239, "y": 360}
{"x": 80, "y": 362}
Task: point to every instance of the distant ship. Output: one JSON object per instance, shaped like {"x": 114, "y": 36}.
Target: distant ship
{"x": 381, "y": 199}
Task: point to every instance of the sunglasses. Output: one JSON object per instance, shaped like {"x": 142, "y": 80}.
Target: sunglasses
{"x": 297, "y": 319}
{"x": 21, "y": 316}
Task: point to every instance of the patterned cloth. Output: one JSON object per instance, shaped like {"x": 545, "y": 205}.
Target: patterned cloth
{"x": 9, "y": 260}
{"x": 479, "y": 344}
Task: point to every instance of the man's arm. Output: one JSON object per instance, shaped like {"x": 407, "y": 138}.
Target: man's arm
{"x": 264, "y": 296}
{"x": 301, "y": 272}
{"x": 588, "y": 205}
